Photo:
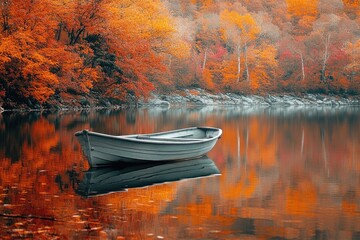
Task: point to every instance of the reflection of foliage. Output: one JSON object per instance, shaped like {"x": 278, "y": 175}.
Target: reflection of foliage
{"x": 274, "y": 167}
{"x": 12, "y": 141}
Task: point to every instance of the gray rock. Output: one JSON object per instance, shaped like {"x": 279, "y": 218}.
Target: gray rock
{"x": 202, "y": 98}
{"x": 155, "y": 102}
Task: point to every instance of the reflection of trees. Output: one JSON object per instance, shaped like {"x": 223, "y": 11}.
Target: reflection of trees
{"x": 274, "y": 174}
{"x": 11, "y": 142}
{"x": 275, "y": 180}
{"x": 31, "y": 182}
{"x": 315, "y": 156}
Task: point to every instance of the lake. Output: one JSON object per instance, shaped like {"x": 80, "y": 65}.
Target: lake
{"x": 284, "y": 173}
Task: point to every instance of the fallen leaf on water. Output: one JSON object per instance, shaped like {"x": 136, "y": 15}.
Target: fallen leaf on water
{"x": 95, "y": 228}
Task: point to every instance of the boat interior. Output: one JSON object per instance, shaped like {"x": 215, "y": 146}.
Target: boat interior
{"x": 185, "y": 134}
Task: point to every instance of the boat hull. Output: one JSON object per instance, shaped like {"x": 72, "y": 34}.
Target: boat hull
{"x": 104, "y": 150}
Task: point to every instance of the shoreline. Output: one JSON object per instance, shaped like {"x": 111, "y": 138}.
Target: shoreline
{"x": 203, "y": 98}
{"x": 200, "y": 97}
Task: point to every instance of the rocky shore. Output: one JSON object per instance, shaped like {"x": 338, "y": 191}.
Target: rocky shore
{"x": 194, "y": 97}
{"x": 201, "y": 97}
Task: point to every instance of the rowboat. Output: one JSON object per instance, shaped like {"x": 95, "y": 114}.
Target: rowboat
{"x": 188, "y": 143}
{"x": 100, "y": 181}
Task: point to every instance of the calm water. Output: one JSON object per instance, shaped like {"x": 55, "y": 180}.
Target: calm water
{"x": 284, "y": 174}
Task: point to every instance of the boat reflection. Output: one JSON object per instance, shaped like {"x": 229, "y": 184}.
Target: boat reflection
{"x": 99, "y": 181}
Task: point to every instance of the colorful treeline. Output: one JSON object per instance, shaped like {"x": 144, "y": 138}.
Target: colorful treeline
{"x": 53, "y": 50}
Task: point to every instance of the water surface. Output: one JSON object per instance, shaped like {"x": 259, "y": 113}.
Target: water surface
{"x": 285, "y": 173}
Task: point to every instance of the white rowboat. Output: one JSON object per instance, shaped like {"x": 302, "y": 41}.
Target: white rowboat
{"x": 188, "y": 143}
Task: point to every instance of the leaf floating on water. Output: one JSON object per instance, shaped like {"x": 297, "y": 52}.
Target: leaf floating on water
{"x": 28, "y": 232}
{"x": 19, "y": 224}
{"x": 95, "y": 228}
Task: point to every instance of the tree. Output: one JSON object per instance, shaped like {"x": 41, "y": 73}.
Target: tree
{"x": 303, "y": 14}
{"x": 239, "y": 31}
{"x": 297, "y": 50}
{"x": 5, "y": 15}
{"x": 78, "y": 18}
{"x": 206, "y": 36}
{"x": 352, "y": 69}
{"x": 351, "y": 8}
{"x": 326, "y": 26}
{"x": 142, "y": 37}
{"x": 25, "y": 65}
{"x": 264, "y": 65}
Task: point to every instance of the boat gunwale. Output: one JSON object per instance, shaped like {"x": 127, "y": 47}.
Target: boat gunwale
{"x": 170, "y": 141}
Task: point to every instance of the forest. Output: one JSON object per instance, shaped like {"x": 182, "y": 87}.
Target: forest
{"x": 55, "y": 50}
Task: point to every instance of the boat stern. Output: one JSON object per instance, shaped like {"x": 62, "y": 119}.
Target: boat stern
{"x": 84, "y": 141}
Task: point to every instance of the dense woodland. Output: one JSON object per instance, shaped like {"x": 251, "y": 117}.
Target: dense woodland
{"x": 53, "y": 50}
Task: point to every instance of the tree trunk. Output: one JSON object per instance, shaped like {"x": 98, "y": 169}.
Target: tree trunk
{"x": 170, "y": 61}
{"x": 58, "y": 32}
{"x": 238, "y": 62}
{"x": 5, "y": 18}
{"x": 302, "y": 66}
{"x": 326, "y": 57}
{"x": 205, "y": 58}
{"x": 246, "y": 62}
{"x": 74, "y": 36}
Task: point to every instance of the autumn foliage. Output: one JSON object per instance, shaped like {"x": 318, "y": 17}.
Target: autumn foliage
{"x": 274, "y": 46}
{"x": 54, "y": 50}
